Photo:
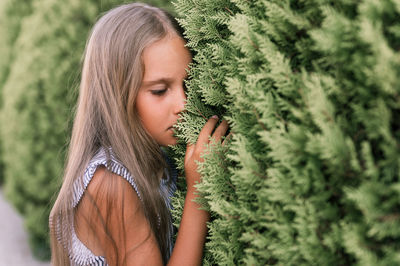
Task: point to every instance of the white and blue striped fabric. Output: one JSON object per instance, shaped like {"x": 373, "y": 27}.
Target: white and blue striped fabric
{"x": 79, "y": 254}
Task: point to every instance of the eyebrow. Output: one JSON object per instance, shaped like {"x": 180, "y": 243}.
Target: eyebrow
{"x": 157, "y": 81}
{"x": 149, "y": 83}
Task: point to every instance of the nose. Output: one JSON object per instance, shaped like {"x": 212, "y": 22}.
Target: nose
{"x": 180, "y": 100}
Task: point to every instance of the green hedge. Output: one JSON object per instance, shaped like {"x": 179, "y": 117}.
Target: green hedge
{"x": 11, "y": 16}
{"x": 311, "y": 90}
{"x": 38, "y": 82}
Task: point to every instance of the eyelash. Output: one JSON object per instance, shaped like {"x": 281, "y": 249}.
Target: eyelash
{"x": 162, "y": 91}
{"x": 159, "y": 92}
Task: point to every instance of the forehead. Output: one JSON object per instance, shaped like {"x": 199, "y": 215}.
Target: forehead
{"x": 166, "y": 58}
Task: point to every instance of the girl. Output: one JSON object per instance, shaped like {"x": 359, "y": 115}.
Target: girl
{"x": 113, "y": 207}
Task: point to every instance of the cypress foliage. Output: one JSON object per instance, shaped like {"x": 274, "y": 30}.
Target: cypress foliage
{"x": 37, "y": 82}
{"x": 11, "y": 16}
{"x": 311, "y": 90}
{"x": 37, "y": 104}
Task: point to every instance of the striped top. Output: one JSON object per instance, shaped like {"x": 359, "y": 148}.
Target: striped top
{"x": 79, "y": 254}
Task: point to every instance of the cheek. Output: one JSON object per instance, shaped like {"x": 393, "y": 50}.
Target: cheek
{"x": 148, "y": 111}
{"x": 142, "y": 107}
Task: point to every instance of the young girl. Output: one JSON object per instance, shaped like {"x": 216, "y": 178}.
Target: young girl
{"x": 113, "y": 207}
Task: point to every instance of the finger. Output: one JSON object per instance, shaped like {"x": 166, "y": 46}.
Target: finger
{"x": 220, "y": 130}
{"x": 206, "y": 131}
{"x": 189, "y": 150}
{"x": 228, "y": 138}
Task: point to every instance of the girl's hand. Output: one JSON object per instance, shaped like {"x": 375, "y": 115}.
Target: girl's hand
{"x": 188, "y": 249}
{"x": 194, "y": 151}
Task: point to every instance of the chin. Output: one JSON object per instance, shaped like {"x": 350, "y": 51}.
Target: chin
{"x": 170, "y": 141}
{"x": 173, "y": 141}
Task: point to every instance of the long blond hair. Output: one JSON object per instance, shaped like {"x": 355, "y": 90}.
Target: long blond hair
{"x": 106, "y": 117}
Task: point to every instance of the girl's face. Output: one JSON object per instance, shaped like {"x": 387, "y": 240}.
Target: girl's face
{"x": 161, "y": 96}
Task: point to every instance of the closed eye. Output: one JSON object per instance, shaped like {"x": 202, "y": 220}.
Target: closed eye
{"x": 159, "y": 92}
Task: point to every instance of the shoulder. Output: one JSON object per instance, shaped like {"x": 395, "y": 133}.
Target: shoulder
{"x": 106, "y": 191}
{"x": 102, "y": 164}
{"x": 109, "y": 211}
{"x": 110, "y": 186}
{"x": 110, "y": 194}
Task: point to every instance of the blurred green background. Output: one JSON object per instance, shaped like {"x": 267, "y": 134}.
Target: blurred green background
{"x": 41, "y": 45}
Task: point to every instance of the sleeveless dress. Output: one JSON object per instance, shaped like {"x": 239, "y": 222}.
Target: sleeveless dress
{"x": 79, "y": 254}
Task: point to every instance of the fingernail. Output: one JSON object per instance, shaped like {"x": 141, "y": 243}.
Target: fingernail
{"x": 215, "y": 117}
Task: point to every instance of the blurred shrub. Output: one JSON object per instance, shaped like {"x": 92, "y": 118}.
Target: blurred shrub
{"x": 42, "y": 49}
{"x": 11, "y": 16}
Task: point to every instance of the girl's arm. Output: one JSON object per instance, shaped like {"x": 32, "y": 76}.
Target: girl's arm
{"x": 125, "y": 238}
{"x": 192, "y": 232}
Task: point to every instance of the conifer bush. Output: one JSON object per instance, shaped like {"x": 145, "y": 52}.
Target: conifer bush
{"x": 37, "y": 105}
{"x": 38, "y": 86}
{"x": 11, "y": 16}
{"x": 311, "y": 91}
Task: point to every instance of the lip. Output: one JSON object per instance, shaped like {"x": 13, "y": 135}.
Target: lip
{"x": 172, "y": 126}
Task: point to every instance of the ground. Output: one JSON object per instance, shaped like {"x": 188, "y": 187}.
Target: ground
{"x": 14, "y": 249}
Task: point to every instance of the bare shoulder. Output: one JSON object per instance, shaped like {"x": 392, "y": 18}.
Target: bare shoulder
{"x": 110, "y": 187}
{"x": 107, "y": 205}
{"x": 111, "y": 222}
{"x": 109, "y": 194}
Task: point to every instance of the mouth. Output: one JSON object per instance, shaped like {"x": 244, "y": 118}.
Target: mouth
{"x": 172, "y": 127}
